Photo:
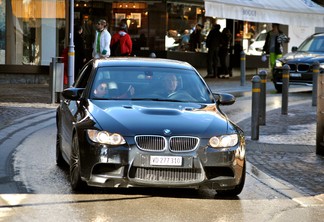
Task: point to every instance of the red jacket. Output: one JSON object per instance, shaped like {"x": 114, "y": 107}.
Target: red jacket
{"x": 65, "y": 61}
{"x": 126, "y": 43}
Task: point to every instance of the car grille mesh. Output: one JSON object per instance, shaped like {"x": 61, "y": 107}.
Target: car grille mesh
{"x": 299, "y": 67}
{"x": 168, "y": 174}
{"x": 159, "y": 143}
{"x": 180, "y": 144}
{"x": 303, "y": 67}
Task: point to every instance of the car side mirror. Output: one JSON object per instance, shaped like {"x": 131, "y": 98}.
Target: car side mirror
{"x": 294, "y": 49}
{"x": 72, "y": 93}
{"x": 224, "y": 99}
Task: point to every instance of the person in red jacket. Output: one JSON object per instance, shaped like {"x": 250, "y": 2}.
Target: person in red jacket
{"x": 125, "y": 42}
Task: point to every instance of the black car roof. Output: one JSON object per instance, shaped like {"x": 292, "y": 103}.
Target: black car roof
{"x": 141, "y": 61}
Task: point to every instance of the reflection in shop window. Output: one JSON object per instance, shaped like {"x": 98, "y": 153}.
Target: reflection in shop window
{"x": 34, "y": 27}
{"x": 182, "y": 19}
{"x": 2, "y": 31}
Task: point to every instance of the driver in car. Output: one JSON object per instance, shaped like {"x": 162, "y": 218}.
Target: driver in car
{"x": 170, "y": 84}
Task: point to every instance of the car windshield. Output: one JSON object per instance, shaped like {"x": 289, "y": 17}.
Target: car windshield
{"x": 140, "y": 83}
{"x": 313, "y": 44}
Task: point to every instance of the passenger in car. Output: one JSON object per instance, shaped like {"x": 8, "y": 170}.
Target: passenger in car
{"x": 110, "y": 89}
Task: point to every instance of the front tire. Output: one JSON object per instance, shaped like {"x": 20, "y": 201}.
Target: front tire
{"x": 75, "y": 168}
{"x": 278, "y": 87}
{"x": 59, "y": 158}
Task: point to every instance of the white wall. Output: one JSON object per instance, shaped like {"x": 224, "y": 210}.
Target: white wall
{"x": 298, "y": 34}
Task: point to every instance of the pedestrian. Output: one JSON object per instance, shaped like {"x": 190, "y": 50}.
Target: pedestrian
{"x": 213, "y": 42}
{"x": 196, "y": 38}
{"x": 101, "y": 45}
{"x": 80, "y": 56}
{"x": 273, "y": 45}
{"x": 121, "y": 42}
{"x": 225, "y": 41}
{"x": 184, "y": 45}
{"x": 64, "y": 60}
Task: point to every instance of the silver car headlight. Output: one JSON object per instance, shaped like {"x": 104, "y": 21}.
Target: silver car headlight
{"x": 105, "y": 137}
{"x": 278, "y": 63}
{"x": 223, "y": 141}
{"x": 321, "y": 66}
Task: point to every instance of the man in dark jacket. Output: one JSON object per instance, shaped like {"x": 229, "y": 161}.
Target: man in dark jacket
{"x": 273, "y": 45}
{"x": 213, "y": 42}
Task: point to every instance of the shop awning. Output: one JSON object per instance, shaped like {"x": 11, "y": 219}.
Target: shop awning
{"x": 290, "y": 12}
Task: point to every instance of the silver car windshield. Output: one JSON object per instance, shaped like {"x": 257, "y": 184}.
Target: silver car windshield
{"x": 139, "y": 83}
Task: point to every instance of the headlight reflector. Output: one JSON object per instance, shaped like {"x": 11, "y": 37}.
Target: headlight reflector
{"x": 105, "y": 137}
{"x": 223, "y": 141}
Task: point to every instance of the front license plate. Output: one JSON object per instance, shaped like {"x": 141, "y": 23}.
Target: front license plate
{"x": 166, "y": 160}
{"x": 298, "y": 75}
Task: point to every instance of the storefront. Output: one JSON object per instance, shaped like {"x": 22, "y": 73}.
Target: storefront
{"x": 32, "y": 32}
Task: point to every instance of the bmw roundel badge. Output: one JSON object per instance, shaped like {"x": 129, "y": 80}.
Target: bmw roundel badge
{"x": 167, "y": 132}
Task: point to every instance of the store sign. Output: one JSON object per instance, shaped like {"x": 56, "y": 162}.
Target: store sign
{"x": 249, "y": 12}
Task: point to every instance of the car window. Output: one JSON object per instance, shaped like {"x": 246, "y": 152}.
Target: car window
{"x": 261, "y": 37}
{"x": 140, "y": 83}
{"x": 81, "y": 82}
{"x": 313, "y": 44}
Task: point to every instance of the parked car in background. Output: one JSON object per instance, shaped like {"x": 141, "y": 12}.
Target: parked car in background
{"x": 256, "y": 47}
{"x": 148, "y": 122}
{"x": 301, "y": 61}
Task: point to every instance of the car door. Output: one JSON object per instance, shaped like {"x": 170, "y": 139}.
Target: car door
{"x": 70, "y": 110}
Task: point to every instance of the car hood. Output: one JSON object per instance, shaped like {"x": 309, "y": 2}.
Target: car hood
{"x": 133, "y": 118}
{"x": 306, "y": 57}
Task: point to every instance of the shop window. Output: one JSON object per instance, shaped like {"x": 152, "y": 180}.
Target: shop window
{"x": 2, "y": 31}
{"x": 181, "y": 21}
{"x": 34, "y": 29}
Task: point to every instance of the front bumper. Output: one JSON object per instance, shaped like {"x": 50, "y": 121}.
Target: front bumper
{"x": 219, "y": 169}
{"x": 295, "y": 77}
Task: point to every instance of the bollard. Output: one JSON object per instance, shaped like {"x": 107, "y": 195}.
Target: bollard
{"x": 320, "y": 115}
{"x": 242, "y": 68}
{"x": 285, "y": 86}
{"x": 315, "y": 77}
{"x": 263, "y": 87}
{"x": 255, "y": 107}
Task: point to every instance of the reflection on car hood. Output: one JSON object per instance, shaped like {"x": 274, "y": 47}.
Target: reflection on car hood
{"x": 303, "y": 57}
{"x": 135, "y": 118}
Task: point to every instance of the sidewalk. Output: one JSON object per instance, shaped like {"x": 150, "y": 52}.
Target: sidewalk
{"x": 285, "y": 150}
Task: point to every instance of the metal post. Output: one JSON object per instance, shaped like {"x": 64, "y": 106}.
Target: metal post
{"x": 255, "y": 107}
{"x": 285, "y": 86}
{"x": 242, "y": 68}
{"x": 320, "y": 115}
{"x": 71, "y": 45}
{"x": 53, "y": 77}
{"x": 263, "y": 76}
{"x": 315, "y": 77}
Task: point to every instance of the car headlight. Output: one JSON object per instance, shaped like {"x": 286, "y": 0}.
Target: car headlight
{"x": 321, "y": 66}
{"x": 223, "y": 141}
{"x": 105, "y": 137}
{"x": 278, "y": 63}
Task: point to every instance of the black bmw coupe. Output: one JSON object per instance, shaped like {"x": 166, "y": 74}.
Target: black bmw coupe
{"x": 148, "y": 122}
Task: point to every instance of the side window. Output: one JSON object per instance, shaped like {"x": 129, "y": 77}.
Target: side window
{"x": 81, "y": 82}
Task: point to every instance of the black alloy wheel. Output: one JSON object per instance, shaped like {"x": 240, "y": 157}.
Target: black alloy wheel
{"x": 75, "y": 176}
